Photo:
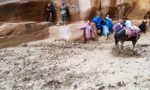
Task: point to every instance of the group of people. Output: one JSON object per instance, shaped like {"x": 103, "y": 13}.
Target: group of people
{"x": 51, "y": 10}
{"x": 104, "y": 27}
{"x": 97, "y": 26}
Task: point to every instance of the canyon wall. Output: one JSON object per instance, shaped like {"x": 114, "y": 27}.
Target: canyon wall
{"x": 22, "y": 21}
{"x": 34, "y": 10}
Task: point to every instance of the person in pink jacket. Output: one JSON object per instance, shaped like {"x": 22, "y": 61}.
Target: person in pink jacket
{"x": 87, "y": 31}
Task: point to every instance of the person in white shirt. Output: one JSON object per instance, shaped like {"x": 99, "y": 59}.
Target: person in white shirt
{"x": 128, "y": 23}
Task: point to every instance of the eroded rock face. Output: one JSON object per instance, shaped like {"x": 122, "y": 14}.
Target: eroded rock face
{"x": 12, "y": 34}
{"x": 22, "y": 11}
{"x": 34, "y": 10}
{"x": 133, "y": 9}
{"x": 15, "y": 33}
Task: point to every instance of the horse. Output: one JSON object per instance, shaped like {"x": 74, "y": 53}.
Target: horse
{"x": 120, "y": 35}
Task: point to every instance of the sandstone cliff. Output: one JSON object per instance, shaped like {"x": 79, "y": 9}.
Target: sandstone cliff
{"x": 17, "y": 11}
{"x": 57, "y": 64}
{"x": 34, "y": 10}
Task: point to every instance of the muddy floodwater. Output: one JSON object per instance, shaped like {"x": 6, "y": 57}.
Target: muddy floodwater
{"x": 65, "y": 65}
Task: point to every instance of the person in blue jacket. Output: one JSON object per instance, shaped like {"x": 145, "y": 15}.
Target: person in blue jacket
{"x": 109, "y": 23}
{"x": 105, "y": 30}
{"x": 98, "y": 20}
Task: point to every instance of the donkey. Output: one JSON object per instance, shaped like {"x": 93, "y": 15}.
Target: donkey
{"x": 143, "y": 26}
{"x": 120, "y": 35}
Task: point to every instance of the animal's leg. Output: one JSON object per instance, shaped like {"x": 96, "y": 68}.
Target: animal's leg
{"x": 116, "y": 40}
{"x": 133, "y": 43}
{"x": 122, "y": 42}
{"x": 116, "y": 43}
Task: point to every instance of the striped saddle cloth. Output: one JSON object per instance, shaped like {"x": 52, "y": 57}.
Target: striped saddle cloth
{"x": 132, "y": 31}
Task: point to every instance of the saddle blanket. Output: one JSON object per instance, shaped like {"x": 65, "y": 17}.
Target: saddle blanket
{"x": 132, "y": 31}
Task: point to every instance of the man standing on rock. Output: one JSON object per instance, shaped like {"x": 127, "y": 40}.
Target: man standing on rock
{"x": 51, "y": 10}
{"x": 63, "y": 12}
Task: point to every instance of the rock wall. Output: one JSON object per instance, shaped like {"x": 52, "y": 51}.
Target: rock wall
{"x": 12, "y": 34}
{"x": 34, "y": 10}
{"x": 16, "y": 16}
{"x": 22, "y": 11}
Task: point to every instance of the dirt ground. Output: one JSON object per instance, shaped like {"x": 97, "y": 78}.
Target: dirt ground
{"x": 64, "y": 65}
